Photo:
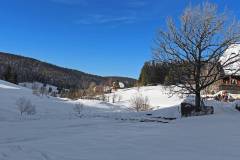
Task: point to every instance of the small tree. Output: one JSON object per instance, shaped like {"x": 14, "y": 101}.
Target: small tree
{"x": 140, "y": 103}
{"x": 82, "y": 93}
{"x": 50, "y": 90}
{"x": 145, "y": 75}
{"x": 10, "y": 75}
{"x": 35, "y": 88}
{"x": 119, "y": 98}
{"x": 114, "y": 97}
{"x": 25, "y": 106}
{"x": 43, "y": 90}
{"x": 78, "y": 108}
{"x": 90, "y": 89}
{"x": 107, "y": 98}
{"x": 103, "y": 97}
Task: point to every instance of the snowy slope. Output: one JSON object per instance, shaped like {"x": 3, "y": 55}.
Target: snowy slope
{"x": 38, "y": 85}
{"x": 54, "y": 133}
{"x": 46, "y": 106}
{"x": 159, "y": 97}
{"x": 50, "y": 107}
{"x": 10, "y": 93}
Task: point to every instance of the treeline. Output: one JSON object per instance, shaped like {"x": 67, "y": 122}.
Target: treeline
{"x": 10, "y": 75}
{"x": 153, "y": 73}
{"x": 24, "y": 69}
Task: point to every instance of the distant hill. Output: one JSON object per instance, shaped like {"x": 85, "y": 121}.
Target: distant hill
{"x": 29, "y": 70}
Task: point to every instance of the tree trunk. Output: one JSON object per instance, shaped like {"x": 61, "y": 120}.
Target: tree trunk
{"x": 198, "y": 101}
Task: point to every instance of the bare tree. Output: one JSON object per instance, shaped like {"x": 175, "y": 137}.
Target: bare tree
{"x": 140, "y": 103}
{"x": 43, "y": 90}
{"x": 107, "y": 98}
{"x": 119, "y": 98}
{"x": 103, "y": 97}
{"x": 114, "y": 97}
{"x": 35, "y": 88}
{"x": 78, "y": 108}
{"x": 82, "y": 93}
{"x": 90, "y": 89}
{"x": 195, "y": 47}
{"x": 25, "y": 106}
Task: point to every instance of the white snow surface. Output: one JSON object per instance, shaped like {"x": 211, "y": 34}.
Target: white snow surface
{"x": 56, "y": 133}
{"x": 158, "y": 96}
{"x": 38, "y": 85}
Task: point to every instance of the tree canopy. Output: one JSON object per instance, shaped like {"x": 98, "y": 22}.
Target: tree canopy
{"x": 196, "y": 46}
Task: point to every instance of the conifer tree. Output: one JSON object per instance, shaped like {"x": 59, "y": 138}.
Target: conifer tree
{"x": 10, "y": 75}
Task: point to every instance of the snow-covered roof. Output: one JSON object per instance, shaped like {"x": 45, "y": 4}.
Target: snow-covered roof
{"x": 234, "y": 68}
{"x": 121, "y": 85}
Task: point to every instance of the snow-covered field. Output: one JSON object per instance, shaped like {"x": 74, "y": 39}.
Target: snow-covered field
{"x": 158, "y": 96}
{"x": 112, "y": 131}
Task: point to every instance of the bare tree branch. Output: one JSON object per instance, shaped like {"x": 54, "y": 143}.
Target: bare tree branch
{"x": 195, "y": 47}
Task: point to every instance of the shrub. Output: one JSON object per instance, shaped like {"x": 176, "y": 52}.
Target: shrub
{"x": 103, "y": 97}
{"x": 119, "y": 98}
{"x": 78, "y": 108}
{"x": 25, "y": 106}
{"x": 114, "y": 97}
{"x": 140, "y": 103}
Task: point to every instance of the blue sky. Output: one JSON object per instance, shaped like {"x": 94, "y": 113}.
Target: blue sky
{"x": 103, "y": 37}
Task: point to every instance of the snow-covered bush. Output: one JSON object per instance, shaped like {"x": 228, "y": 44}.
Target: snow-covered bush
{"x": 140, "y": 103}
{"x": 114, "y": 97}
{"x": 36, "y": 92}
{"x": 119, "y": 98}
{"x": 43, "y": 90}
{"x": 25, "y": 106}
{"x": 107, "y": 98}
{"x": 35, "y": 89}
{"x": 78, "y": 108}
{"x": 103, "y": 97}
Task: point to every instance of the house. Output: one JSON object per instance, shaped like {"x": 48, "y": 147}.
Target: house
{"x": 121, "y": 85}
{"x": 117, "y": 85}
{"x": 108, "y": 89}
{"x": 230, "y": 75}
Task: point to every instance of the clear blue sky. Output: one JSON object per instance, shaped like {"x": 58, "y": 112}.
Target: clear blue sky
{"x": 103, "y": 37}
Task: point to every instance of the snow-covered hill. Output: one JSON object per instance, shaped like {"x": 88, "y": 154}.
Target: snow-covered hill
{"x": 10, "y": 93}
{"x": 158, "y": 96}
{"x": 55, "y": 133}
{"x": 50, "y": 107}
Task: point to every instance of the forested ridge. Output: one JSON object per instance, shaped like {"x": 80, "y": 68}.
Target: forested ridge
{"x": 26, "y": 69}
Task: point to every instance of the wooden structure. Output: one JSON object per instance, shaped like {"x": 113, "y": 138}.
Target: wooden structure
{"x": 230, "y": 75}
{"x": 230, "y": 83}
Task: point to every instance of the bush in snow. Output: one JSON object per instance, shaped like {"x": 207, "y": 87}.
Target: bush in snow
{"x": 114, "y": 97}
{"x": 140, "y": 103}
{"x": 25, "y": 106}
{"x": 78, "y": 108}
{"x": 103, "y": 97}
{"x": 107, "y": 98}
{"x": 36, "y": 92}
{"x": 43, "y": 90}
{"x": 35, "y": 89}
{"x": 119, "y": 98}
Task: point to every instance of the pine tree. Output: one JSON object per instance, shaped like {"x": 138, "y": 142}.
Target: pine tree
{"x": 153, "y": 73}
{"x": 144, "y": 77}
{"x": 10, "y": 75}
